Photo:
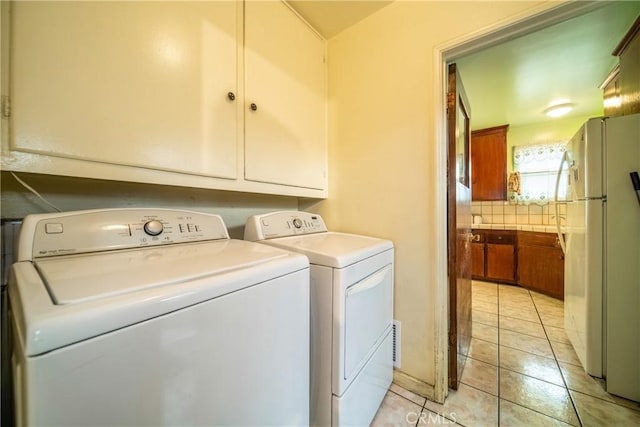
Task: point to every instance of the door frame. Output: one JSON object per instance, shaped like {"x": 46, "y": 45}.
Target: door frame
{"x": 535, "y": 19}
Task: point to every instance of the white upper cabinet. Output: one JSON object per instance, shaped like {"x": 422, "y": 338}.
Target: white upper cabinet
{"x": 132, "y": 83}
{"x": 161, "y": 92}
{"x": 285, "y": 80}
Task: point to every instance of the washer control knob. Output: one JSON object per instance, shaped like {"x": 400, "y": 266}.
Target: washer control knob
{"x": 297, "y": 223}
{"x": 153, "y": 227}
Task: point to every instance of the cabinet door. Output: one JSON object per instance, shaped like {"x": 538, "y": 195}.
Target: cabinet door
{"x": 489, "y": 164}
{"x": 285, "y": 78}
{"x": 628, "y": 50}
{"x": 541, "y": 268}
{"x": 501, "y": 262}
{"x": 130, "y": 83}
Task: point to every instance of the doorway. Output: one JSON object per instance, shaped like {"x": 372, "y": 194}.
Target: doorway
{"x": 445, "y": 55}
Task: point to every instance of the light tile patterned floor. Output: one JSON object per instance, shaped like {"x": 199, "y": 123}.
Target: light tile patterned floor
{"x": 520, "y": 371}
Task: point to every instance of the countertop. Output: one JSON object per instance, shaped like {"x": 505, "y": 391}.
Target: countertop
{"x": 540, "y": 228}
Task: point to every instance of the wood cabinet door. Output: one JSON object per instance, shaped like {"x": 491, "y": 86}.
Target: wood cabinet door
{"x": 501, "y": 262}
{"x": 628, "y": 50}
{"x": 541, "y": 268}
{"x": 285, "y": 96}
{"x": 489, "y": 164}
{"x": 142, "y": 84}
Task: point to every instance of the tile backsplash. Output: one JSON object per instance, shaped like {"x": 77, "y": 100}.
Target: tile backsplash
{"x": 501, "y": 212}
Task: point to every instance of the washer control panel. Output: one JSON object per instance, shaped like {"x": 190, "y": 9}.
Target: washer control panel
{"x": 283, "y": 224}
{"x": 45, "y": 235}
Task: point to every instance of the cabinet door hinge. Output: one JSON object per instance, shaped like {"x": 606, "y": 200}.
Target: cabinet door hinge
{"x": 6, "y": 107}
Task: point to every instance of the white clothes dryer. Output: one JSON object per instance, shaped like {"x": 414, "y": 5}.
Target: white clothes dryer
{"x": 156, "y": 317}
{"x": 351, "y": 313}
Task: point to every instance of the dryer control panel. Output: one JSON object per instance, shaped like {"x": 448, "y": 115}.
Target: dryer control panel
{"x": 283, "y": 224}
{"x": 45, "y": 235}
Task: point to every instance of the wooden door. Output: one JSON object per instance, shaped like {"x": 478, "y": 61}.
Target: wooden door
{"x": 459, "y": 226}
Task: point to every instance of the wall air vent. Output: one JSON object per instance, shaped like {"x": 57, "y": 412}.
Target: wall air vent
{"x": 396, "y": 332}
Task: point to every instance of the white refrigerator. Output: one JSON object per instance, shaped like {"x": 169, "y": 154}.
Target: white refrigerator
{"x": 601, "y": 241}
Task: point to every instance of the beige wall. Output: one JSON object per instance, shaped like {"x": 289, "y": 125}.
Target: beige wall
{"x": 78, "y": 193}
{"x": 382, "y": 145}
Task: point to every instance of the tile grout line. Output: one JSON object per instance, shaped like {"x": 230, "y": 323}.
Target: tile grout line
{"x": 422, "y": 408}
{"x": 499, "y": 346}
{"x": 537, "y": 411}
{"x": 499, "y": 367}
{"x": 519, "y": 349}
{"x": 407, "y": 399}
{"x": 524, "y": 375}
{"x": 538, "y": 306}
{"x": 555, "y": 357}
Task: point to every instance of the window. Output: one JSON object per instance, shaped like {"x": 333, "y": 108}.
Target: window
{"x": 538, "y": 167}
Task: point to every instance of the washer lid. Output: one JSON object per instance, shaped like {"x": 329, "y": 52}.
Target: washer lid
{"x": 63, "y": 300}
{"x": 333, "y": 249}
{"x": 78, "y": 279}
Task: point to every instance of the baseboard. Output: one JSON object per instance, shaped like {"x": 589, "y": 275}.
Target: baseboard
{"x": 413, "y": 384}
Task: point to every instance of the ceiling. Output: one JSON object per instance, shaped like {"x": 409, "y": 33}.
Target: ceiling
{"x": 514, "y": 82}
{"x": 330, "y": 17}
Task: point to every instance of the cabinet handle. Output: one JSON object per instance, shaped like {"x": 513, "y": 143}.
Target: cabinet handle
{"x": 231, "y": 96}
{"x": 253, "y": 107}
{"x": 473, "y": 237}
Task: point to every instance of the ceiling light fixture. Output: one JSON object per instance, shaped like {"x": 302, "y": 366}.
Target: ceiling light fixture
{"x": 558, "y": 110}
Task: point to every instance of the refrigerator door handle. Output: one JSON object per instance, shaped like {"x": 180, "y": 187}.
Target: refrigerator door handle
{"x": 635, "y": 181}
{"x": 561, "y": 240}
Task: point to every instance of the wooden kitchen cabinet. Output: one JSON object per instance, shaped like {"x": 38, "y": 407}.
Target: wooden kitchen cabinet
{"x": 494, "y": 258}
{"x": 162, "y": 93}
{"x": 501, "y": 255}
{"x": 541, "y": 263}
{"x": 489, "y": 163}
{"x": 529, "y": 259}
{"x": 611, "y": 93}
{"x": 627, "y": 81}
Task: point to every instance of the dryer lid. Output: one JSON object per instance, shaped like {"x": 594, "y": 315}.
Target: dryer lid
{"x": 333, "y": 249}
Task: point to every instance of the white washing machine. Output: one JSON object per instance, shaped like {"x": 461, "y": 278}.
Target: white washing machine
{"x": 351, "y": 314}
{"x": 156, "y": 317}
